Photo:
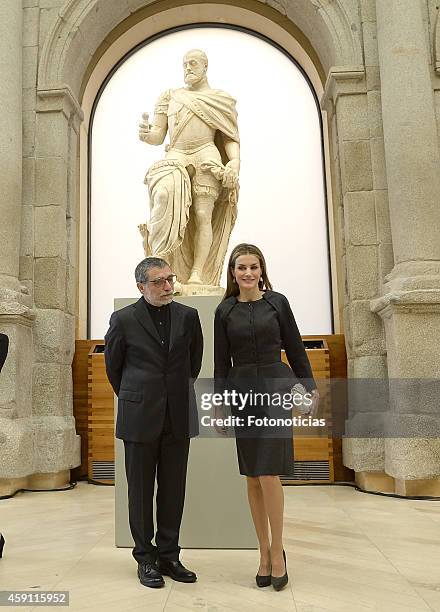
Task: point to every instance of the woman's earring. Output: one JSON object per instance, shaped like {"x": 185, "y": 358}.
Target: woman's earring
{"x": 233, "y": 279}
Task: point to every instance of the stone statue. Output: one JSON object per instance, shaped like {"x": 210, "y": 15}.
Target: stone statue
{"x": 193, "y": 191}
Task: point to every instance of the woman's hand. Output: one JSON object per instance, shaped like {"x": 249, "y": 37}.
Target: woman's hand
{"x": 299, "y": 392}
{"x": 313, "y": 410}
{"x": 220, "y": 415}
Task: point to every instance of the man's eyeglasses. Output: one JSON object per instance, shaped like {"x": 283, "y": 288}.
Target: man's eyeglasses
{"x": 160, "y": 282}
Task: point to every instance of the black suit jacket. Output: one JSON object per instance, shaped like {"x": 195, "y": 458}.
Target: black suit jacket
{"x": 291, "y": 339}
{"x": 4, "y": 344}
{"x": 146, "y": 378}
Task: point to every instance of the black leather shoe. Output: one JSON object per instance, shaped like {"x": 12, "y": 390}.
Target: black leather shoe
{"x": 149, "y": 576}
{"x": 279, "y": 582}
{"x": 176, "y": 571}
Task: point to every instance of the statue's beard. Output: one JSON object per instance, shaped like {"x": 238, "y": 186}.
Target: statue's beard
{"x": 192, "y": 79}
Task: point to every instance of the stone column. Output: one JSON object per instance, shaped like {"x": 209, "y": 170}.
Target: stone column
{"x": 410, "y": 302}
{"x": 411, "y": 140}
{"x": 10, "y": 140}
{"x": 56, "y": 445}
{"x": 354, "y": 183}
{"x": 16, "y": 316}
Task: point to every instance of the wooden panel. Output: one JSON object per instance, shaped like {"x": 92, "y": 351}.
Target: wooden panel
{"x": 80, "y": 401}
{"x": 338, "y": 369}
{"x": 101, "y": 412}
{"x": 326, "y": 363}
{"x": 311, "y": 449}
{"x": 315, "y": 443}
{"x": 94, "y": 411}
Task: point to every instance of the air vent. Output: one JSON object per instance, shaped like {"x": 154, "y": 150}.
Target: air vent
{"x": 103, "y": 470}
{"x": 309, "y": 470}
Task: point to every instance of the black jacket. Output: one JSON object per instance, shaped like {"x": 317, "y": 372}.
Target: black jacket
{"x": 146, "y": 378}
{"x": 4, "y": 344}
{"x": 290, "y": 338}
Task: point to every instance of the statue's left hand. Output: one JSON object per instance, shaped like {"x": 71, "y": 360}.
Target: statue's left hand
{"x": 230, "y": 176}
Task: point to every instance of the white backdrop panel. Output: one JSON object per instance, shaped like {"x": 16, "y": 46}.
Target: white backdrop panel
{"x": 282, "y": 203}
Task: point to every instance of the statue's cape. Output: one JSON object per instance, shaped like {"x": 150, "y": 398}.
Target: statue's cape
{"x": 171, "y": 229}
{"x": 214, "y": 107}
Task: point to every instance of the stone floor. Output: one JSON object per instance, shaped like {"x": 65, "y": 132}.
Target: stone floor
{"x": 347, "y": 552}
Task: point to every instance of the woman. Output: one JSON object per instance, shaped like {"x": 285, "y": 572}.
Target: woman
{"x": 252, "y": 324}
{"x": 4, "y": 344}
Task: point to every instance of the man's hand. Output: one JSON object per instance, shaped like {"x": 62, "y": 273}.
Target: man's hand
{"x": 144, "y": 128}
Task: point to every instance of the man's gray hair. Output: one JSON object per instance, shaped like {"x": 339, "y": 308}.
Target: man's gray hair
{"x": 141, "y": 272}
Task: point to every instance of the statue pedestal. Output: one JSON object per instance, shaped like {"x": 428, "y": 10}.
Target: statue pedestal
{"x": 216, "y": 513}
{"x": 181, "y": 290}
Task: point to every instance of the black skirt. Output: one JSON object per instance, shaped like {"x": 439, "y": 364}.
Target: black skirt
{"x": 265, "y": 439}
{"x": 249, "y": 337}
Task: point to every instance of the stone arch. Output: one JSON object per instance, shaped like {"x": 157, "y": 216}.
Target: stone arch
{"x": 325, "y": 33}
{"x": 84, "y": 28}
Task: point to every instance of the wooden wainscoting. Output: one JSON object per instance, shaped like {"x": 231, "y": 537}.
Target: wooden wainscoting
{"x": 339, "y": 408}
{"x": 94, "y": 414}
{"x": 81, "y": 401}
{"x": 318, "y": 458}
{"x": 101, "y": 455}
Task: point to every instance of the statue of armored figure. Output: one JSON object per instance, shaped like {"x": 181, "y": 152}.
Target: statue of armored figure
{"x": 193, "y": 191}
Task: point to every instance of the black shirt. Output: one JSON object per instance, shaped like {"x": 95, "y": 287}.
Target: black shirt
{"x": 161, "y": 319}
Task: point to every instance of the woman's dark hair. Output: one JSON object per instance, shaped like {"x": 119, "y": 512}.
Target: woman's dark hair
{"x": 245, "y": 249}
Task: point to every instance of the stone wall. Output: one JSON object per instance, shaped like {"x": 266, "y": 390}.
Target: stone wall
{"x": 37, "y": 429}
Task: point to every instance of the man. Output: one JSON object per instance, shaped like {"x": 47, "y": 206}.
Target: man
{"x": 153, "y": 353}
{"x": 194, "y": 190}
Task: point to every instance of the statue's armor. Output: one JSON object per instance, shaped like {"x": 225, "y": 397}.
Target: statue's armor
{"x": 194, "y": 145}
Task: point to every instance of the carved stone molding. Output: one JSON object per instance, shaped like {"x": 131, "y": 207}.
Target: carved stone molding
{"x": 342, "y": 81}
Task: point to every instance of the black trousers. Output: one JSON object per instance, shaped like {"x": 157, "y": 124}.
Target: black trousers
{"x": 164, "y": 459}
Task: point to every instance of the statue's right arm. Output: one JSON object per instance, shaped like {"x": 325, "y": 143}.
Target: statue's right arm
{"x": 155, "y": 133}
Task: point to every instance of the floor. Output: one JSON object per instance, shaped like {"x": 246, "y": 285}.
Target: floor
{"x": 347, "y": 552}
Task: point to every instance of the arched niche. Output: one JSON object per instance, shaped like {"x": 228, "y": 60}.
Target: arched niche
{"x": 90, "y": 37}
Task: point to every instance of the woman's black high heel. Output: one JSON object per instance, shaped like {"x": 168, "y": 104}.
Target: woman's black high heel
{"x": 279, "y": 582}
{"x": 263, "y": 581}
{"x": 2, "y": 543}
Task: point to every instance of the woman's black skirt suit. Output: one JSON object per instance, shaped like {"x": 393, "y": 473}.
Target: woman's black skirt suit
{"x": 248, "y": 338}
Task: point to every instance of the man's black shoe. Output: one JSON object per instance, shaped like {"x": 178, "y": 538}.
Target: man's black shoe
{"x": 149, "y": 576}
{"x": 176, "y": 571}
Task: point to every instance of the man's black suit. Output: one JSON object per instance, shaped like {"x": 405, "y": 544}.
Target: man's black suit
{"x": 156, "y": 416}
